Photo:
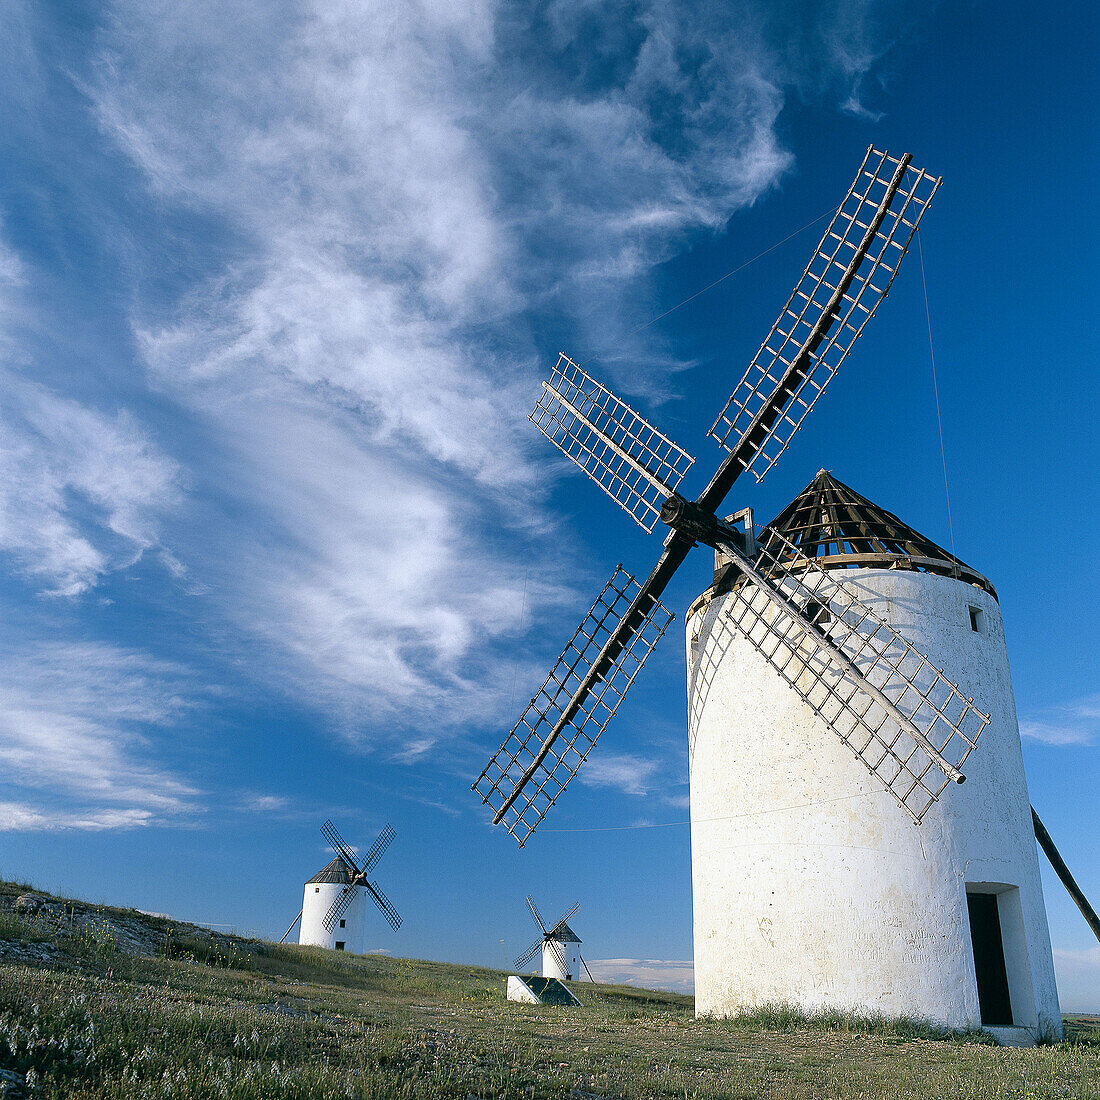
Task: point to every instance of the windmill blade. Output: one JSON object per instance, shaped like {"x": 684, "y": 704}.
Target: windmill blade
{"x": 559, "y": 954}
{"x": 384, "y": 905}
{"x": 556, "y": 732}
{"x": 557, "y": 927}
{"x": 339, "y": 845}
{"x": 849, "y": 274}
{"x": 906, "y": 722}
{"x": 338, "y": 908}
{"x": 522, "y": 960}
{"x": 635, "y": 464}
{"x": 378, "y": 847}
{"x": 535, "y": 914}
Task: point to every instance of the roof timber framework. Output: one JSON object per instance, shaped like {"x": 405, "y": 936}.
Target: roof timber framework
{"x": 839, "y": 529}
{"x": 336, "y": 871}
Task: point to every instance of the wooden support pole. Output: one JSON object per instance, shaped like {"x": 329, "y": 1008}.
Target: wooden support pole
{"x": 586, "y": 970}
{"x": 292, "y": 924}
{"x": 1062, "y": 871}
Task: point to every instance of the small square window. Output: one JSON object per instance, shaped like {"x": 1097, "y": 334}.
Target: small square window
{"x": 977, "y": 620}
{"x": 339, "y": 945}
{"x": 316, "y": 889}
{"x": 343, "y": 923}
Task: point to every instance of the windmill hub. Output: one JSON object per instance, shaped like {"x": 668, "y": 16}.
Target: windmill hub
{"x": 688, "y": 518}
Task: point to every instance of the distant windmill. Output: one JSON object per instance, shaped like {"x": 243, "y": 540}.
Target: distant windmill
{"x": 555, "y": 963}
{"x": 333, "y": 905}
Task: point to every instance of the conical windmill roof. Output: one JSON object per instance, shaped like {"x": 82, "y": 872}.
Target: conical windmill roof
{"x": 831, "y": 523}
{"x": 564, "y": 934}
{"x": 336, "y": 871}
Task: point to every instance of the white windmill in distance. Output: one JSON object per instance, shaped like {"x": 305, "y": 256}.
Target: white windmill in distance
{"x": 553, "y": 941}
{"x": 333, "y": 906}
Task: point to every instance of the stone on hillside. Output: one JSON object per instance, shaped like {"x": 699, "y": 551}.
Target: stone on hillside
{"x": 12, "y": 1084}
{"x": 29, "y": 903}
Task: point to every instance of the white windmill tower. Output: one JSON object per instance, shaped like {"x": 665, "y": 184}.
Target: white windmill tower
{"x": 556, "y": 944}
{"x": 810, "y": 887}
{"x": 874, "y": 694}
{"x": 334, "y": 903}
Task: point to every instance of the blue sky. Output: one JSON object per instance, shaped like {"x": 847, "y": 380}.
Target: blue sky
{"x": 278, "y": 283}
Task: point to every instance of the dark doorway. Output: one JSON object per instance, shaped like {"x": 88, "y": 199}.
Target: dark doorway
{"x": 340, "y": 947}
{"x": 989, "y": 960}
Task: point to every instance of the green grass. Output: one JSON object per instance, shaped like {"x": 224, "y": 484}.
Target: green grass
{"x": 245, "y": 1019}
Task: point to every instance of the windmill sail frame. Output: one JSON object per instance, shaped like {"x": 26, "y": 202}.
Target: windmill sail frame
{"x": 829, "y": 307}
{"x": 896, "y": 710}
{"x": 824, "y": 316}
{"x": 358, "y": 876}
{"x": 634, "y": 463}
{"x": 590, "y": 678}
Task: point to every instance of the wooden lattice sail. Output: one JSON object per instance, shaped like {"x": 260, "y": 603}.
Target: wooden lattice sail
{"x": 847, "y": 277}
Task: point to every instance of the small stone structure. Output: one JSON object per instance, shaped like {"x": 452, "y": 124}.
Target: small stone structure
{"x": 540, "y": 991}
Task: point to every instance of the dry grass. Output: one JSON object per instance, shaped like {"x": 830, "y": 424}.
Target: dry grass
{"x": 254, "y": 1020}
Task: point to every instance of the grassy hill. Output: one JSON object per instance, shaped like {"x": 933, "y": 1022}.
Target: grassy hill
{"x": 101, "y": 1002}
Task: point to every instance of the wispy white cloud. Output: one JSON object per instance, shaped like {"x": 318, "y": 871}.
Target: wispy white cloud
{"x": 1075, "y": 723}
{"x": 841, "y": 50}
{"x": 672, "y": 974}
{"x": 74, "y": 725}
{"x": 439, "y": 804}
{"x": 82, "y": 494}
{"x": 622, "y": 771}
{"x": 11, "y": 283}
{"x": 25, "y": 817}
{"x": 82, "y": 490}
{"x": 264, "y": 803}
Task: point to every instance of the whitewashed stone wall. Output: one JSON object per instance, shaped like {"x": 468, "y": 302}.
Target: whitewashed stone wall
{"x": 316, "y": 902}
{"x": 811, "y": 886}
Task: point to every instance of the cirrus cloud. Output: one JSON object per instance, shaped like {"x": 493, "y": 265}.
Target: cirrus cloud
{"x": 397, "y": 195}
{"x": 351, "y": 232}
{"x": 1074, "y": 723}
{"x": 76, "y": 726}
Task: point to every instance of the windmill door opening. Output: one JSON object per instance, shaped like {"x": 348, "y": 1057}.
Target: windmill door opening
{"x": 989, "y": 960}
